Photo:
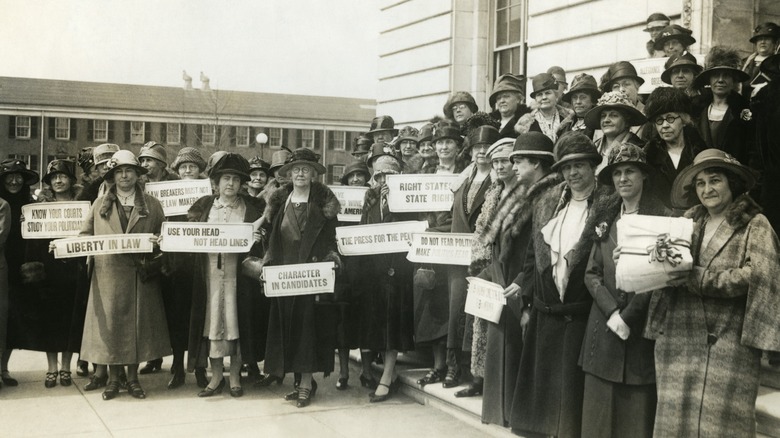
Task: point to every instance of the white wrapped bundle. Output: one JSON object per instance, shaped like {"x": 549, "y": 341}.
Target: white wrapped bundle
{"x": 652, "y": 247}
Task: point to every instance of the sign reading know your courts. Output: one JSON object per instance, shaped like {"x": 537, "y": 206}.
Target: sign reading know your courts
{"x": 373, "y": 239}
{"x": 485, "y": 299}
{"x": 178, "y": 196}
{"x": 420, "y": 193}
{"x": 351, "y": 200}
{"x": 205, "y": 237}
{"x": 103, "y": 245}
{"x": 53, "y": 220}
{"x": 299, "y": 279}
{"x": 441, "y": 248}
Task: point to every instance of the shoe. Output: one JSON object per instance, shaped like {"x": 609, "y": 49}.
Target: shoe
{"x": 65, "y": 378}
{"x": 123, "y": 379}
{"x": 51, "y": 380}
{"x": 177, "y": 380}
{"x": 292, "y": 395}
{"x": 200, "y": 377}
{"x": 151, "y": 366}
{"x": 433, "y": 376}
{"x": 236, "y": 391}
{"x": 208, "y": 392}
{"x": 305, "y": 395}
{"x": 452, "y": 379}
{"x": 268, "y": 380}
{"x": 373, "y": 398}
{"x": 8, "y": 380}
{"x": 341, "y": 384}
{"x": 472, "y": 390}
{"x": 82, "y": 368}
{"x": 296, "y": 380}
{"x": 253, "y": 371}
{"x": 135, "y": 390}
{"x": 368, "y": 382}
{"x": 95, "y": 382}
{"x": 111, "y": 391}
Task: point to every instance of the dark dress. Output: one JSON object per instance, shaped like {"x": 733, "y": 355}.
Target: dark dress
{"x": 734, "y": 134}
{"x": 15, "y": 248}
{"x": 661, "y": 180}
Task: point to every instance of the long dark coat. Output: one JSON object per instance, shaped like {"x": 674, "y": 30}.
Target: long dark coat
{"x": 660, "y": 182}
{"x": 735, "y": 134}
{"x": 301, "y": 333}
{"x": 766, "y": 114}
{"x": 252, "y": 305}
{"x": 5, "y": 230}
{"x": 548, "y": 399}
{"x": 15, "y": 248}
{"x": 508, "y": 131}
{"x": 709, "y": 338}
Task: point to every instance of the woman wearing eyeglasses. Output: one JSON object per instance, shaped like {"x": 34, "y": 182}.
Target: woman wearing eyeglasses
{"x": 675, "y": 141}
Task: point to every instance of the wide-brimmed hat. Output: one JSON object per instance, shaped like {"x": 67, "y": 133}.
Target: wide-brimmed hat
{"x": 656, "y": 20}
{"x": 447, "y": 129}
{"x": 573, "y": 146}
{"x": 620, "y": 70}
{"x": 767, "y": 29}
{"x": 667, "y": 100}
{"x": 625, "y": 153}
{"x": 362, "y": 145}
{"x": 86, "y": 159}
{"x": 685, "y": 59}
{"x": 583, "y": 83}
{"x": 231, "y": 163}
{"x": 460, "y": 97}
{"x": 534, "y": 144}
{"x": 12, "y": 165}
{"x": 543, "y": 82}
{"x": 502, "y": 148}
{"x": 303, "y": 156}
{"x": 484, "y": 134}
{"x": 152, "y": 149}
{"x": 67, "y": 167}
{"x": 721, "y": 59}
{"x": 189, "y": 155}
{"x": 103, "y": 152}
{"x": 278, "y": 159}
{"x": 380, "y": 149}
{"x": 355, "y": 166}
{"x": 708, "y": 158}
{"x": 408, "y": 133}
{"x": 507, "y": 82}
{"x": 257, "y": 163}
{"x": 426, "y": 133}
{"x": 382, "y": 123}
{"x": 123, "y": 158}
{"x": 616, "y": 100}
{"x": 674, "y": 32}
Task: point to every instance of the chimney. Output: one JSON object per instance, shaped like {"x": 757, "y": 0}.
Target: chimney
{"x": 204, "y": 82}
{"x": 187, "y": 80}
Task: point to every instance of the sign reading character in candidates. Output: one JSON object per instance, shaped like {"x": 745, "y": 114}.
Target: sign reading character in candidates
{"x": 103, "y": 244}
{"x": 176, "y": 197}
{"x": 205, "y": 237}
{"x": 420, "y": 193}
{"x": 52, "y": 220}
{"x": 299, "y": 279}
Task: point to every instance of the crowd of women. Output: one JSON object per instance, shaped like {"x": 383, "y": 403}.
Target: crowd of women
{"x": 541, "y": 186}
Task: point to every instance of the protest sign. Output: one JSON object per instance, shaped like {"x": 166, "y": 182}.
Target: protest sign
{"x": 176, "y": 197}
{"x": 351, "y": 199}
{"x": 421, "y": 192}
{"x": 650, "y": 70}
{"x": 205, "y": 237}
{"x": 383, "y": 238}
{"x": 485, "y": 299}
{"x": 441, "y": 248}
{"x": 299, "y": 279}
{"x": 53, "y": 220}
{"x": 102, "y": 245}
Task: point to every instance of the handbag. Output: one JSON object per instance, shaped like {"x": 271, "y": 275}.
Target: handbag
{"x": 425, "y": 278}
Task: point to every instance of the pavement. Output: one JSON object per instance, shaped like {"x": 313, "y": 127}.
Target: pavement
{"x": 31, "y": 410}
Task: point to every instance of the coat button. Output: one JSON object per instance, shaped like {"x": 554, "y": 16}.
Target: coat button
{"x": 314, "y": 259}
{"x": 390, "y": 272}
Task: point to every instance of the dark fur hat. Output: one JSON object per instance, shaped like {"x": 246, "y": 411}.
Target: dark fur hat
{"x": 721, "y": 58}
{"x": 667, "y": 100}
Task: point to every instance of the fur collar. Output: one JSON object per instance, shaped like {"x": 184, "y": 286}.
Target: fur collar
{"x": 413, "y": 164}
{"x": 199, "y": 210}
{"x": 606, "y": 209}
{"x": 738, "y": 214}
{"x": 524, "y": 123}
{"x": 110, "y": 198}
{"x": 320, "y": 196}
{"x": 481, "y": 248}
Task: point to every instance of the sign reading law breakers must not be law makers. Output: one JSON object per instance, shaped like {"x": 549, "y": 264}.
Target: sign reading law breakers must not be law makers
{"x": 102, "y": 245}
{"x": 299, "y": 279}
{"x": 205, "y": 237}
{"x": 52, "y": 220}
{"x": 178, "y": 196}
{"x": 441, "y": 248}
{"x": 382, "y": 238}
{"x": 417, "y": 193}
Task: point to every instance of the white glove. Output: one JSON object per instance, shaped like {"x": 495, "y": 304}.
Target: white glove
{"x": 618, "y": 326}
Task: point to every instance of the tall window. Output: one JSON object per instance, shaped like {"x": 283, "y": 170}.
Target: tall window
{"x": 242, "y": 136}
{"x": 23, "y": 127}
{"x": 208, "y": 135}
{"x": 137, "y": 132}
{"x": 338, "y": 140}
{"x": 508, "y": 43}
{"x": 62, "y": 128}
{"x": 173, "y": 133}
{"x": 100, "y": 130}
{"x": 337, "y": 171}
{"x": 307, "y": 138}
{"x": 275, "y": 137}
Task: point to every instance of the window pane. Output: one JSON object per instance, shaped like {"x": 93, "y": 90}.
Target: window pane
{"x": 173, "y": 133}
{"x": 209, "y": 135}
{"x": 136, "y": 132}
{"x": 100, "y": 130}
{"x": 515, "y": 23}
{"x": 23, "y": 127}
{"x": 242, "y": 136}
{"x": 275, "y": 137}
{"x": 500, "y": 4}
{"x": 501, "y": 31}
{"x": 62, "y": 128}
{"x": 339, "y": 140}
{"x": 307, "y": 138}
{"x": 337, "y": 173}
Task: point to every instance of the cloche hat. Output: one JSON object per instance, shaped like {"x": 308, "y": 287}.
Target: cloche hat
{"x": 674, "y": 32}
{"x": 303, "y": 156}
{"x": 573, "y": 146}
{"x": 188, "y": 155}
{"x": 231, "y": 163}
{"x": 708, "y": 158}
{"x": 123, "y": 158}
{"x": 534, "y": 144}
{"x": 625, "y": 153}
{"x": 67, "y": 167}
{"x": 460, "y": 97}
{"x": 614, "y": 100}
{"x": 507, "y": 82}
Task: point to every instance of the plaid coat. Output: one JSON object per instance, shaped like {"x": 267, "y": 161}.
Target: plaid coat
{"x": 710, "y": 335}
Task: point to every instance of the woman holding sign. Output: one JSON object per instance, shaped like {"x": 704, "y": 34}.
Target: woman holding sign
{"x": 303, "y": 216}
{"x": 711, "y": 331}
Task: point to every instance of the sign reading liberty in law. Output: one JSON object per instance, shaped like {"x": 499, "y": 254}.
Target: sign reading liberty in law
{"x": 419, "y": 193}
{"x": 351, "y": 200}
{"x": 102, "y": 245}
{"x": 52, "y": 220}
{"x": 299, "y": 279}
{"x": 176, "y": 197}
{"x": 206, "y": 238}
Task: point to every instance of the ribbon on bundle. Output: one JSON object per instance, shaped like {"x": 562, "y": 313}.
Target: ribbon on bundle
{"x": 666, "y": 249}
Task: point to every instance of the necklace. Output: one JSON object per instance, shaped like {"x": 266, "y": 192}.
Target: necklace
{"x": 125, "y": 200}
{"x": 629, "y": 212}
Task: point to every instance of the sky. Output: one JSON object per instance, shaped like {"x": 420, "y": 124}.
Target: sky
{"x": 315, "y": 47}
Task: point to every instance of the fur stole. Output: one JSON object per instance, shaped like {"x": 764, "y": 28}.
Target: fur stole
{"x": 606, "y": 209}
{"x": 110, "y": 198}
{"x": 480, "y": 249}
{"x": 524, "y": 123}
{"x": 413, "y": 164}
{"x": 320, "y": 195}
{"x": 738, "y": 214}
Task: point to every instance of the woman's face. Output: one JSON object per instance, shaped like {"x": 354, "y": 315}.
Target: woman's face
{"x": 382, "y": 136}
{"x": 13, "y": 183}
{"x": 427, "y": 150}
{"x": 682, "y": 77}
{"x": 507, "y": 103}
{"x": 546, "y": 99}
{"x": 357, "y": 179}
{"x": 765, "y": 45}
{"x": 629, "y": 87}
{"x": 581, "y": 103}
{"x": 379, "y": 179}
{"x": 60, "y": 183}
{"x": 712, "y": 189}
{"x": 628, "y": 180}
{"x": 673, "y": 47}
{"x": 504, "y": 169}
{"x": 446, "y": 148}
{"x": 669, "y": 132}
{"x": 257, "y": 179}
{"x": 580, "y": 175}
{"x": 408, "y": 148}
{"x": 613, "y": 123}
{"x": 479, "y": 153}
{"x": 722, "y": 83}
{"x": 228, "y": 185}
{"x": 302, "y": 175}
{"x": 188, "y": 171}
{"x": 461, "y": 112}
{"x": 125, "y": 178}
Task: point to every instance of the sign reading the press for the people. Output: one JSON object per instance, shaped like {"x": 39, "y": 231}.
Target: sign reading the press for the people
{"x": 485, "y": 299}
{"x": 441, "y": 248}
{"x": 300, "y": 279}
{"x": 372, "y": 239}
{"x": 351, "y": 199}
{"x": 102, "y": 245}
{"x": 52, "y": 220}
{"x": 416, "y": 193}
{"x": 178, "y": 196}
{"x": 205, "y": 237}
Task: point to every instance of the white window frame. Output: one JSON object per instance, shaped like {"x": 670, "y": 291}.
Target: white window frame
{"x": 135, "y": 132}
{"x": 23, "y": 126}
{"x": 305, "y": 141}
{"x": 273, "y": 134}
{"x": 336, "y": 175}
{"x": 339, "y": 140}
{"x": 243, "y": 133}
{"x": 61, "y": 132}
{"x": 208, "y": 135}
{"x": 497, "y": 50}
{"x": 174, "y": 128}
{"x": 96, "y": 130}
